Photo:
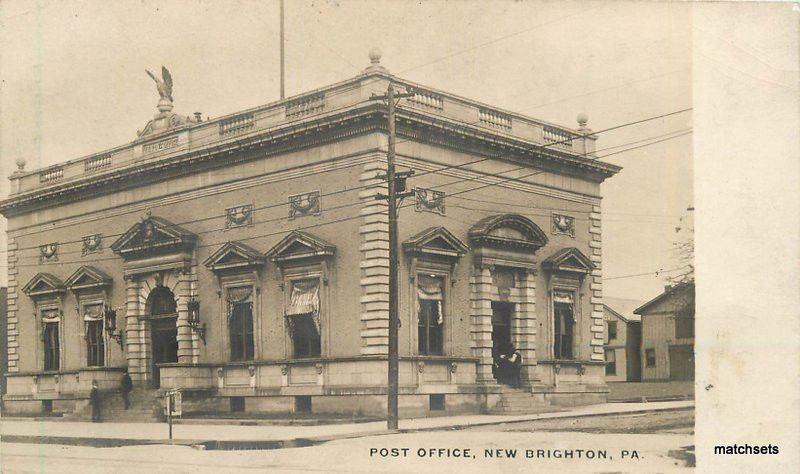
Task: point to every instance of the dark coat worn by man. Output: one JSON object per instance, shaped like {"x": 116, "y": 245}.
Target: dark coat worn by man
{"x": 126, "y": 387}
{"x": 94, "y": 400}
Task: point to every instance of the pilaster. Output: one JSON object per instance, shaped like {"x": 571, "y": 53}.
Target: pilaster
{"x": 12, "y": 314}
{"x": 374, "y": 264}
{"x": 596, "y": 286}
{"x": 481, "y": 322}
{"x": 525, "y": 325}
{"x": 135, "y": 350}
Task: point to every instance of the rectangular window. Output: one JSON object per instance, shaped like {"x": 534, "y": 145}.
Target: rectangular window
{"x": 241, "y": 330}
{"x": 563, "y": 325}
{"x": 303, "y": 318}
{"x": 611, "y": 362}
{"x": 51, "y": 346}
{"x": 612, "y": 330}
{"x": 95, "y": 347}
{"x": 93, "y": 335}
{"x": 430, "y": 315}
{"x": 684, "y": 327}
{"x": 650, "y": 357}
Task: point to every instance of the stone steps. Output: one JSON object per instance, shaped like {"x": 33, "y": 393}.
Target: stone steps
{"x": 145, "y": 406}
{"x": 519, "y": 401}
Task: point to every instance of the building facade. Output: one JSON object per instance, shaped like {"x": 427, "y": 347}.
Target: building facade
{"x": 245, "y": 259}
{"x": 668, "y": 335}
{"x": 623, "y": 340}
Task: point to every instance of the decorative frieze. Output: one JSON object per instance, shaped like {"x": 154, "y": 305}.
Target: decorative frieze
{"x": 160, "y": 145}
{"x": 48, "y": 252}
{"x": 429, "y": 200}
{"x": 239, "y": 216}
{"x": 563, "y": 225}
{"x": 305, "y": 204}
{"x": 92, "y": 244}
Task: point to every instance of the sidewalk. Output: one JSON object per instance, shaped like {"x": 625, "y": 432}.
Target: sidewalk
{"x": 116, "y": 434}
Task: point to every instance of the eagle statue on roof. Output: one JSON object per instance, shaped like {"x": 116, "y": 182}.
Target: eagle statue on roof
{"x": 163, "y": 85}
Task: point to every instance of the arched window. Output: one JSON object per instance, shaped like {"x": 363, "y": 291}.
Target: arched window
{"x": 161, "y": 302}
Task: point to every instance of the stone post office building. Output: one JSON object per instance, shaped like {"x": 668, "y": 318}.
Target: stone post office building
{"x": 244, "y": 259}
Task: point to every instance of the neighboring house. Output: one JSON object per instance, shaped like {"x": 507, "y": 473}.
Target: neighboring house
{"x": 668, "y": 334}
{"x": 245, "y": 258}
{"x": 623, "y": 340}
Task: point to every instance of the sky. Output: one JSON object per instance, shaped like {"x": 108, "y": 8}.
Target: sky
{"x": 73, "y": 82}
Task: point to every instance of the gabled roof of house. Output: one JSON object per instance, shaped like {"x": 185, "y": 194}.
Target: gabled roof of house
{"x": 623, "y": 307}
{"x": 666, "y": 294}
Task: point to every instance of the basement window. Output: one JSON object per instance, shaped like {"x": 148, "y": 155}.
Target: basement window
{"x": 302, "y": 404}
{"x": 237, "y": 404}
{"x": 436, "y": 402}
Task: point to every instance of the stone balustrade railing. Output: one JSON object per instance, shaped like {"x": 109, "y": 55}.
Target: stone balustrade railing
{"x": 350, "y": 94}
{"x": 236, "y": 125}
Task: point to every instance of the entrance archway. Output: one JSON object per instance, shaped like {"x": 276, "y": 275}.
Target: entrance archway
{"x": 162, "y": 312}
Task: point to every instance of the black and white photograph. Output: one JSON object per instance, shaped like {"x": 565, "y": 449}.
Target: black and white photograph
{"x": 399, "y": 236}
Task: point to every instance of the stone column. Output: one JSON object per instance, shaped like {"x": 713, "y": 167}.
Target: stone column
{"x": 135, "y": 350}
{"x": 185, "y": 332}
{"x": 374, "y": 261}
{"x": 596, "y": 287}
{"x": 12, "y": 315}
{"x": 481, "y": 322}
{"x": 525, "y": 329}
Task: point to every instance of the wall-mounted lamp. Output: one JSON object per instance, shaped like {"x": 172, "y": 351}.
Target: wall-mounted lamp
{"x": 110, "y": 324}
{"x": 194, "y": 319}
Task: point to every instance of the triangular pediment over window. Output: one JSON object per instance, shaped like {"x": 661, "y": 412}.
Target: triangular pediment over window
{"x": 153, "y": 235}
{"x": 300, "y": 245}
{"x": 508, "y": 231}
{"x": 435, "y": 241}
{"x": 42, "y": 285}
{"x": 234, "y": 255}
{"x": 87, "y": 277}
{"x": 568, "y": 260}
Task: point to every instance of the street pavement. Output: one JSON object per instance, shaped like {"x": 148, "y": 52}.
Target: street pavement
{"x": 189, "y": 432}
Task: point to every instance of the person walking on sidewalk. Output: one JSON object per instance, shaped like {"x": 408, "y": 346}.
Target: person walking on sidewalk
{"x": 127, "y": 386}
{"x": 94, "y": 400}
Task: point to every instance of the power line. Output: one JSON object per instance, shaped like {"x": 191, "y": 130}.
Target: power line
{"x": 656, "y": 273}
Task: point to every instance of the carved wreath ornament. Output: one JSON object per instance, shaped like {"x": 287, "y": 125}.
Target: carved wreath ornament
{"x": 48, "y": 252}
{"x": 563, "y": 225}
{"x": 92, "y": 243}
{"x": 306, "y": 204}
{"x": 240, "y": 215}
{"x": 429, "y": 200}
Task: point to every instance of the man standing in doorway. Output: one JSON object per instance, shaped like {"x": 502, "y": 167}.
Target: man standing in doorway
{"x": 94, "y": 400}
{"x": 127, "y": 386}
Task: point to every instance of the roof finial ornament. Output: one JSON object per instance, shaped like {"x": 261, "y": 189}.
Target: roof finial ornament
{"x": 375, "y": 61}
{"x": 163, "y": 85}
{"x": 20, "y": 161}
{"x": 583, "y": 119}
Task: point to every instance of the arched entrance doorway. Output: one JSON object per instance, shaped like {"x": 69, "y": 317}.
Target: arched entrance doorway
{"x": 163, "y": 314}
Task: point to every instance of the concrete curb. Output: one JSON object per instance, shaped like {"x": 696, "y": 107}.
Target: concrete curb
{"x": 251, "y": 444}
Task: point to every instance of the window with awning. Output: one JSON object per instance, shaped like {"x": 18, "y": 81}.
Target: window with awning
{"x": 303, "y": 317}
{"x": 430, "y": 314}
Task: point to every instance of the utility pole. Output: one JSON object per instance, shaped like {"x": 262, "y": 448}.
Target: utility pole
{"x": 283, "y": 60}
{"x": 397, "y": 190}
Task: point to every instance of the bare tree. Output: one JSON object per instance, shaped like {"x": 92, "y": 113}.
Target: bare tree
{"x": 683, "y": 281}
